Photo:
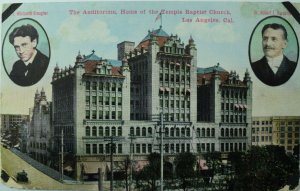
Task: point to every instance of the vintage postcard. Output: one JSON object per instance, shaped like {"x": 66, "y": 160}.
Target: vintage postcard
{"x": 150, "y": 95}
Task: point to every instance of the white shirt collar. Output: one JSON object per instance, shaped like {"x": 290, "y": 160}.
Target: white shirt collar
{"x": 275, "y": 63}
{"x": 31, "y": 59}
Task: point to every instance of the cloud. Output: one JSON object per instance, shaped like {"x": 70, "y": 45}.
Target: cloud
{"x": 75, "y": 31}
{"x": 210, "y": 32}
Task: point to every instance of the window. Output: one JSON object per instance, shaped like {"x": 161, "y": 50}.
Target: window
{"x": 119, "y": 131}
{"x": 182, "y": 132}
{"x": 203, "y": 132}
{"x": 177, "y": 133}
{"x": 100, "y": 114}
{"x": 107, "y": 131}
{"x": 100, "y": 100}
{"x": 101, "y": 149}
{"x": 144, "y": 131}
{"x": 119, "y": 101}
{"x": 87, "y": 131}
{"x": 94, "y": 148}
{"x": 182, "y": 148}
{"x": 188, "y": 132}
{"x": 131, "y": 131}
{"x": 208, "y": 132}
{"x": 149, "y": 148}
{"x": 94, "y": 114}
{"x": 172, "y": 132}
{"x": 143, "y": 148}
{"x": 138, "y": 148}
{"x": 167, "y": 148}
{"x": 113, "y": 101}
{"x": 87, "y": 100}
{"x": 94, "y": 86}
{"x": 113, "y": 115}
{"x": 222, "y": 132}
{"x": 119, "y": 114}
{"x": 100, "y": 131}
{"x": 138, "y": 132}
{"x": 149, "y": 131}
{"x": 113, "y": 131}
{"x": 198, "y": 132}
{"x": 101, "y": 86}
{"x": 106, "y": 100}
{"x": 167, "y": 132}
{"x": 88, "y": 149}
{"x": 94, "y": 131}
{"x": 120, "y": 150}
{"x": 212, "y": 132}
{"x": 87, "y": 114}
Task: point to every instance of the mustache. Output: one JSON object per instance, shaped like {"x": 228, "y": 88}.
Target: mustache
{"x": 268, "y": 48}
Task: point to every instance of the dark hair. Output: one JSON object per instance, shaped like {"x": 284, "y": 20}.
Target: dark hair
{"x": 24, "y": 30}
{"x": 275, "y": 26}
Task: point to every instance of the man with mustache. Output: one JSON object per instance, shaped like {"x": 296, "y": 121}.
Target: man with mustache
{"x": 32, "y": 64}
{"x": 274, "y": 68}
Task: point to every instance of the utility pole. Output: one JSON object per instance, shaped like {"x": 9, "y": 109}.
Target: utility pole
{"x": 131, "y": 137}
{"x": 161, "y": 152}
{"x": 112, "y": 150}
{"x": 62, "y": 154}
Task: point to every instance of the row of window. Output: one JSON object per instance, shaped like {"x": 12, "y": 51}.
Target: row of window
{"x": 177, "y": 116}
{"x": 233, "y": 118}
{"x": 261, "y": 138}
{"x": 289, "y": 141}
{"x": 233, "y": 147}
{"x": 226, "y": 93}
{"x": 262, "y": 122}
{"x": 289, "y": 129}
{"x": 174, "y": 103}
{"x": 208, "y": 132}
{"x": 174, "y": 78}
{"x": 106, "y": 86}
{"x": 205, "y": 147}
{"x": 177, "y": 148}
{"x": 111, "y": 115}
{"x": 173, "y": 91}
{"x": 103, "y": 100}
{"x": 262, "y": 130}
{"x": 174, "y": 66}
{"x": 233, "y": 132}
{"x": 103, "y": 148}
{"x": 100, "y": 131}
{"x": 233, "y": 107}
{"x": 141, "y": 131}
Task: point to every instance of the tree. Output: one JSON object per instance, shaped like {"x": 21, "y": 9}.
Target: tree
{"x": 213, "y": 160}
{"x": 185, "y": 163}
{"x": 147, "y": 177}
{"x": 264, "y": 168}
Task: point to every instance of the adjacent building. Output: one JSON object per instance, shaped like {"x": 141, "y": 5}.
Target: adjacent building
{"x": 10, "y": 120}
{"x": 276, "y": 130}
{"x": 204, "y": 109}
{"x": 39, "y": 132}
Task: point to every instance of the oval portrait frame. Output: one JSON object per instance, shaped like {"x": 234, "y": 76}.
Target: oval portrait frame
{"x": 255, "y": 50}
{"x": 9, "y": 55}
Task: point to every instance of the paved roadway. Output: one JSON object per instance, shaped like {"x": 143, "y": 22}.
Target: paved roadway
{"x": 12, "y": 164}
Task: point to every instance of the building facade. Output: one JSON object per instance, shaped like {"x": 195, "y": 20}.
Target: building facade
{"x": 97, "y": 100}
{"x": 276, "y": 130}
{"x": 9, "y": 120}
{"x": 39, "y": 132}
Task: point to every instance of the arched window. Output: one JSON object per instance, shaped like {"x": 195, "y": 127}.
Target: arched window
{"x": 183, "y": 132}
{"x": 226, "y": 132}
{"x": 203, "y": 132}
{"x": 131, "y": 131}
{"x": 101, "y": 86}
{"x": 100, "y": 131}
{"x": 138, "y": 131}
{"x": 240, "y": 132}
{"x": 119, "y": 131}
{"x": 244, "y": 132}
{"x": 144, "y": 131}
{"x": 167, "y": 132}
{"x": 94, "y": 131}
{"x": 235, "y": 132}
{"x": 222, "y": 132}
{"x": 149, "y": 131}
{"x": 87, "y": 131}
{"x": 113, "y": 131}
{"x": 177, "y": 132}
{"x": 172, "y": 132}
{"x": 107, "y": 131}
{"x": 231, "y": 132}
{"x": 208, "y": 132}
{"x": 188, "y": 132}
{"x": 198, "y": 132}
{"x": 113, "y": 88}
{"x": 212, "y": 132}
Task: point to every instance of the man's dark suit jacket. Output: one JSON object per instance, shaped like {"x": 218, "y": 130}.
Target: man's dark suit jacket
{"x": 264, "y": 72}
{"x": 36, "y": 70}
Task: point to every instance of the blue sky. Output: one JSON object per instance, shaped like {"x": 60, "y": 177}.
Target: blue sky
{"x": 224, "y": 43}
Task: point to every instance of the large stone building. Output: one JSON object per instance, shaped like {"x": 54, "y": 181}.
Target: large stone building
{"x": 276, "y": 130}
{"x": 39, "y": 133}
{"x": 9, "y": 120}
{"x": 204, "y": 109}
